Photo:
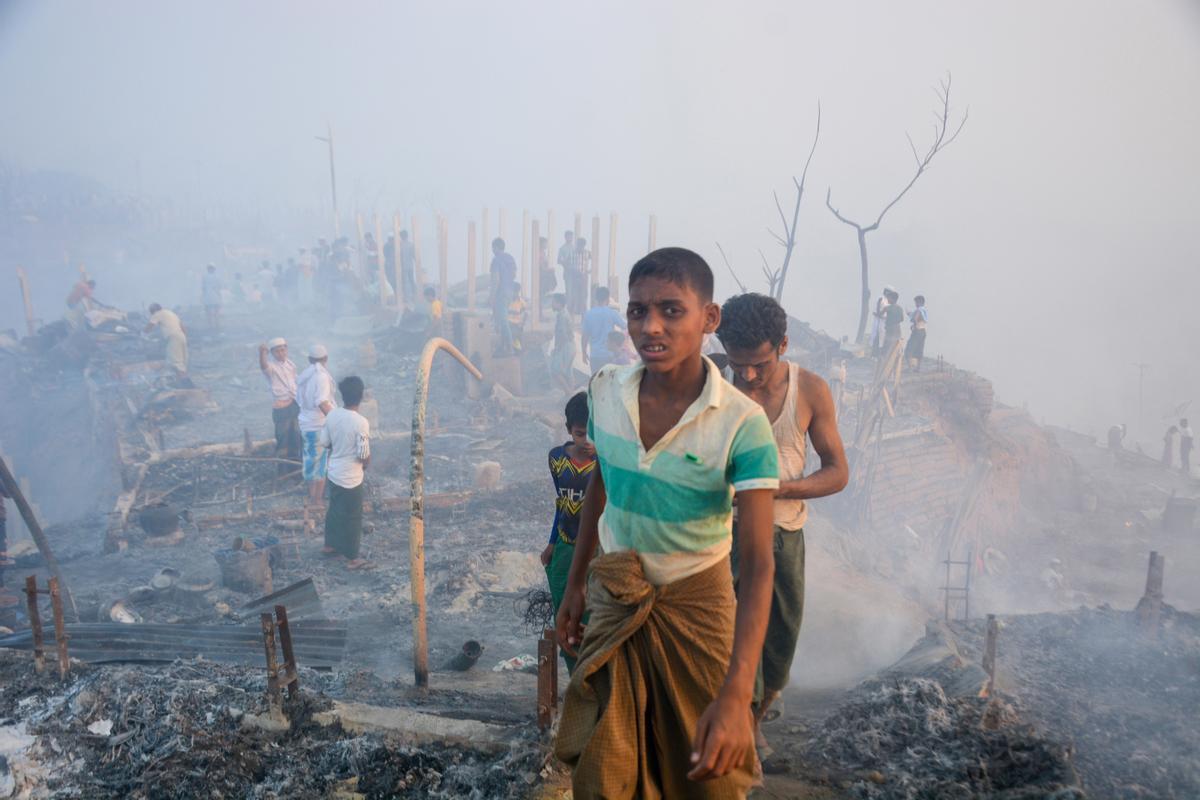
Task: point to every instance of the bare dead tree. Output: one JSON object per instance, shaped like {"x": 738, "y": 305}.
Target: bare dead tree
{"x": 776, "y": 278}
{"x": 942, "y": 137}
{"x": 728, "y": 266}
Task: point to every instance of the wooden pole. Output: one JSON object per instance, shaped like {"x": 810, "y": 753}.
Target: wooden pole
{"x": 471, "y": 266}
{"x": 535, "y": 284}
{"x": 60, "y": 630}
{"x": 416, "y": 524}
{"x": 594, "y": 278}
{"x": 35, "y": 624}
{"x": 525, "y": 284}
{"x": 652, "y": 244}
{"x": 551, "y": 244}
{"x": 337, "y": 225}
{"x": 614, "y": 286}
{"x": 35, "y": 530}
{"x": 383, "y": 298}
{"x": 420, "y": 271}
{"x": 399, "y": 287}
{"x": 444, "y": 259}
{"x": 23, "y": 279}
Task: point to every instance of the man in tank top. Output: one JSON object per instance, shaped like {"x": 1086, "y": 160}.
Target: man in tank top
{"x": 800, "y": 408}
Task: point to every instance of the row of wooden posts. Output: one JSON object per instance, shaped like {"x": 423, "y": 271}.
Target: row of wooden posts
{"x": 531, "y": 232}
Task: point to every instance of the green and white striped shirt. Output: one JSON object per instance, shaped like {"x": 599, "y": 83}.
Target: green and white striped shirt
{"x": 673, "y": 503}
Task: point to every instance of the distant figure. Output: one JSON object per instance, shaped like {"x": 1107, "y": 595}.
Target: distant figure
{"x": 881, "y": 303}
{"x": 562, "y": 356}
{"x": 581, "y": 269}
{"x": 389, "y": 260}
{"x": 518, "y": 315}
{"x": 914, "y": 351}
{"x": 618, "y": 346}
{"x": 548, "y": 280}
{"x": 1169, "y": 444}
{"x": 305, "y": 277}
{"x": 503, "y": 276}
{"x": 280, "y": 374}
{"x": 1116, "y": 435}
{"x": 265, "y": 282}
{"x": 597, "y": 322}
{"x": 428, "y": 310}
{"x": 408, "y": 262}
{"x": 893, "y": 319}
{"x": 80, "y": 300}
{"x": 167, "y": 323}
{"x": 566, "y": 260}
{"x": 346, "y": 437}
{"x": 1186, "y": 440}
{"x": 238, "y": 288}
{"x": 210, "y": 292}
{"x": 314, "y": 395}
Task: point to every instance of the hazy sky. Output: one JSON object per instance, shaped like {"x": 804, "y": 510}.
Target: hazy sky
{"x": 1056, "y": 241}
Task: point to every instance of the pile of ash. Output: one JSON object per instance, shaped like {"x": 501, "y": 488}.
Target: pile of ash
{"x": 1125, "y": 700}
{"x": 903, "y": 737}
{"x": 185, "y": 731}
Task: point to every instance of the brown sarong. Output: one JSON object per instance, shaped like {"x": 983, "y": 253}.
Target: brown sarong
{"x": 651, "y": 661}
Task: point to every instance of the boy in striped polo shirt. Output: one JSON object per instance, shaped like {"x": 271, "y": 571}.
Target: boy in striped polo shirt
{"x": 659, "y": 702}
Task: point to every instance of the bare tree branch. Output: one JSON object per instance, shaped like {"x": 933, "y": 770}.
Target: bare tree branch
{"x": 728, "y": 266}
{"x": 838, "y": 214}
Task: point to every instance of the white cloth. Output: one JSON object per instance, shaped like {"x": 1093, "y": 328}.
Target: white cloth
{"x": 347, "y": 434}
{"x": 790, "y": 514}
{"x": 281, "y": 378}
{"x": 313, "y": 387}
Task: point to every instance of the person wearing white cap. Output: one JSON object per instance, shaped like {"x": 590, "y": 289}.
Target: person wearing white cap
{"x": 881, "y": 304}
{"x": 314, "y": 395}
{"x": 280, "y": 373}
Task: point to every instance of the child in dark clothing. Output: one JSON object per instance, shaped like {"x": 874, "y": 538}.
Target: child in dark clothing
{"x": 571, "y": 467}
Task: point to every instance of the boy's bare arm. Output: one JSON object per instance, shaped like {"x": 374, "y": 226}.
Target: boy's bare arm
{"x": 568, "y": 628}
{"x": 726, "y": 731}
{"x": 831, "y": 478}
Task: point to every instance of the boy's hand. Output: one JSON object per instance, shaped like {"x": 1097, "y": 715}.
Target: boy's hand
{"x": 547, "y": 554}
{"x": 568, "y": 626}
{"x": 724, "y": 732}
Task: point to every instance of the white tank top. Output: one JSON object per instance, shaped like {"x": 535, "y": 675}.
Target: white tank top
{"x": 793, "y": 447}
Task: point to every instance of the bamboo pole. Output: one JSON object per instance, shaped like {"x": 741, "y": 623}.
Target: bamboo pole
{"x": 535, "y": 286}
{"x": 383, "y": 300}
{"x": 399, "y": 287}
{"x": 594, "y": 278}
{"x": 653, "y": 238}
{"x": 35, "y": 531}
{"x": 471, "y": 266}
{"x": 416, "y": 526}
{"x": 23, "y": 279}
{"x": 444, "y": 259}
{"x": 614, "y": 287}
{"x": 525, "y": 284}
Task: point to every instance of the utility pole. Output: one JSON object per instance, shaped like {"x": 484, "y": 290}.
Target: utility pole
{"x": 337, "y": 228}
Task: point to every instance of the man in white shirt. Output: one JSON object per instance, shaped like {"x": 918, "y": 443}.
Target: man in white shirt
{"x": 314, "y": 396}
{"x": 171, "y": 327}
{"x": 347, "y": 437}
{"x": 280, "y": 374}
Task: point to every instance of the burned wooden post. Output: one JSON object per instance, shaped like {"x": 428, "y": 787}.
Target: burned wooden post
{"x": 594, "y": 278}
{"x": 291, "y": 678}
{"x": 416, "y": 528}
{"x": 989, "y": 653}
{"x": 614, "y": 288}
{"x": 547, "y": 691}
{"x": 60, "y": 630}
{"x": 268, "y": 630}
{"x": 35, "y": 624}
{"x": 471, "y": 266}
{"x": 23, "y": 279}
{"x": 535, "y": 281}
{"x": 1149, "y": 608}
{"x": 35, "y": 531}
